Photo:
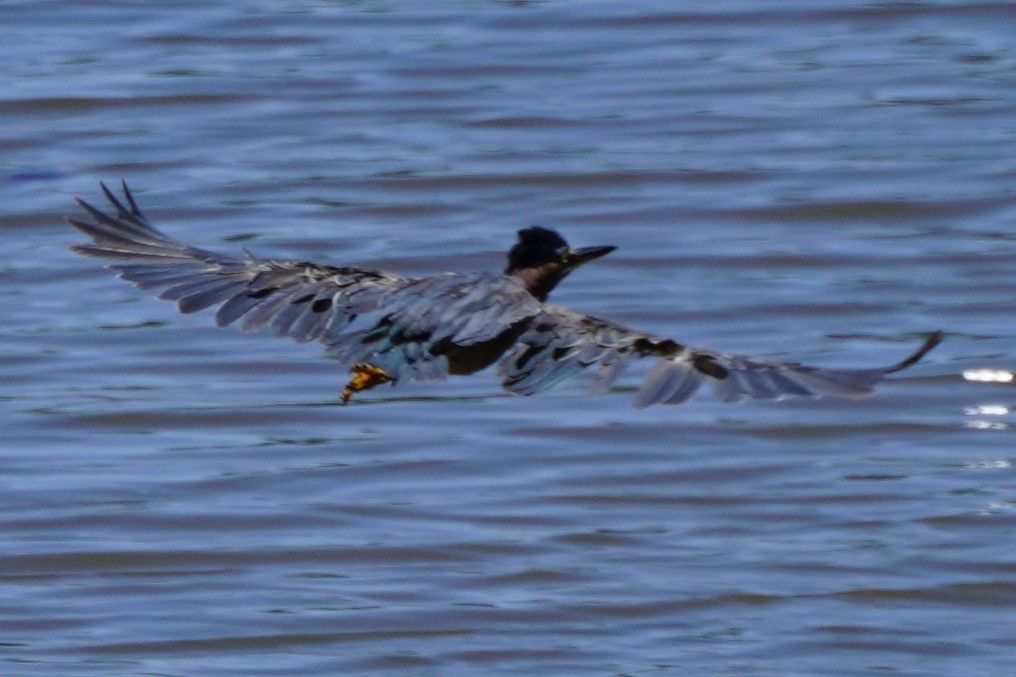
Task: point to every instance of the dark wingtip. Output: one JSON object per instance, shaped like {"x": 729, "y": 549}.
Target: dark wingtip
{"x": 130, "y": 199}
{"x": 934, "y": 338}
{"x": 115, "y": 201}
{"x": 107, "y": 192}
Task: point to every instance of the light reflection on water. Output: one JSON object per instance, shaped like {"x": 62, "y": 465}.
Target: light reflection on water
{"x": 822, "y": 185}
{"x": 986, "y": 375}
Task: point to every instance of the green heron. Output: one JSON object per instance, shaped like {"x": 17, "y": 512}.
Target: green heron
{"x": 389, "y": 328}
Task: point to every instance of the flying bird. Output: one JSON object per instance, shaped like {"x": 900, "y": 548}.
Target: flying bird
{"x": 388, "y": 328}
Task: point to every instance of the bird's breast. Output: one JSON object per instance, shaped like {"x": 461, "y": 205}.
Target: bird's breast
{"x": 472, "y": 358}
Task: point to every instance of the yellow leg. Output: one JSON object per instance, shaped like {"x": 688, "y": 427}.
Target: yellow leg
{"x": 365, "y": 376}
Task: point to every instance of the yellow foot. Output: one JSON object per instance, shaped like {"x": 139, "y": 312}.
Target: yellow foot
{"x": 365, "y": 377}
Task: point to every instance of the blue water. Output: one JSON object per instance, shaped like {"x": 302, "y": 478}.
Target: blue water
{"x": 785, "y": 179}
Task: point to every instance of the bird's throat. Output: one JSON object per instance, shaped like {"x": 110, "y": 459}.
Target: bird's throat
{"x": 541, "y": 280}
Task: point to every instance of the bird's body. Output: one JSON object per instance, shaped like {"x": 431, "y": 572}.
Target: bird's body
{"x": 389, "y": 328}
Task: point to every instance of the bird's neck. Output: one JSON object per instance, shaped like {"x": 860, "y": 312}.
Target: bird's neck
{"x": 539, "y": 281}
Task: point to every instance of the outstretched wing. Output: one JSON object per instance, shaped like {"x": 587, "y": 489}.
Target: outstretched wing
{"x": 408, "y": 321}
{"x": 299, "y": 300}
{"x": 560, "y": 343}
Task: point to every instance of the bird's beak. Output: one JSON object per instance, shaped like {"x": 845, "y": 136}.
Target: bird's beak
{"x": 576, "y": 257}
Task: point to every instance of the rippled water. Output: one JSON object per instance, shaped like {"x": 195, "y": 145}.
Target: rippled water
{"x": 810, "y": 181}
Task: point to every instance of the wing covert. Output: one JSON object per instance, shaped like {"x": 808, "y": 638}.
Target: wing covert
{"x": 425, "y": 321}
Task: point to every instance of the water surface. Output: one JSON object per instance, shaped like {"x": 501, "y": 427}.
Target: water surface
{"x": 812, "y": 183}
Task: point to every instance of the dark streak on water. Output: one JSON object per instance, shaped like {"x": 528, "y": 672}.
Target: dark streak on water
{"x": 783, "y": 178}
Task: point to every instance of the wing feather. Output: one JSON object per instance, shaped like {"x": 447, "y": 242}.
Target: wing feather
{"x": 296, "y": 299}
{"x": 560, "y": 342}
{"x": 422, "y": 321}
{"x": 412, "y": 318}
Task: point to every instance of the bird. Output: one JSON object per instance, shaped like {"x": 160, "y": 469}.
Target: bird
{"x": 387, "y": 328}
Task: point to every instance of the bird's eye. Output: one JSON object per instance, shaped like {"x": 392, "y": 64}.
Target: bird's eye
{"x": 564, "y": 254}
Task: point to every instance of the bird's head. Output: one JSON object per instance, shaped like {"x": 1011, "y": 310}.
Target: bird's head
{"x": 542, "y": 258}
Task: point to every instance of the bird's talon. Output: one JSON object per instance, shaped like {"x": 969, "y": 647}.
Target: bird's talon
{"x": 365, "y": 376}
